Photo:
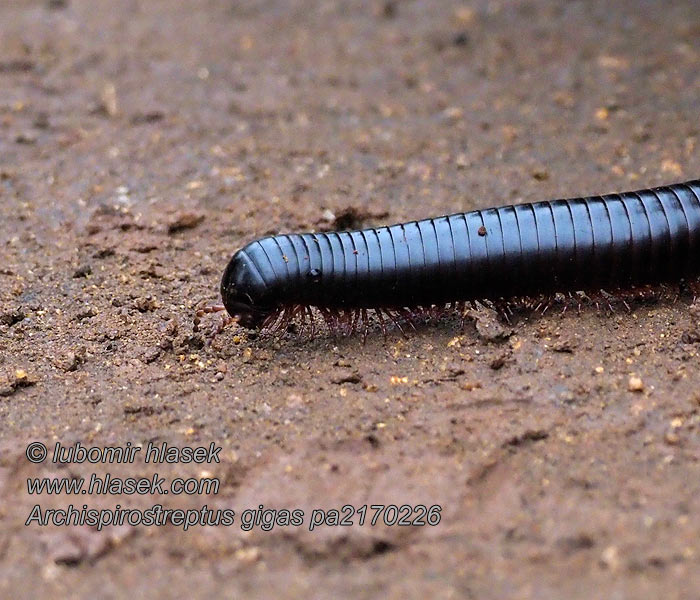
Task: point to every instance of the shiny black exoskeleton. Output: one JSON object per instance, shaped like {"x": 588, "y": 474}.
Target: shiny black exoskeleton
{"x": 612, "y": 241}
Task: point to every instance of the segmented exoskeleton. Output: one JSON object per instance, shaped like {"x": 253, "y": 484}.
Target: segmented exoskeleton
{"x": 614, "y": 241}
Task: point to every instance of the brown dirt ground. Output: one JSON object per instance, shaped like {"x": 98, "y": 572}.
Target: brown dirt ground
{"x": 142, "y": 142}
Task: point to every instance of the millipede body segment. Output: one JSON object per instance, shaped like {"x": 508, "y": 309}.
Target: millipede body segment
{"x": 601, "y": 242}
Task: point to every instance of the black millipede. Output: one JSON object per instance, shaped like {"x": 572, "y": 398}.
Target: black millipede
{"x": 533, "y": 250}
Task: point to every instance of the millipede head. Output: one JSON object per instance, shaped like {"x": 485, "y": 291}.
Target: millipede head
{"x": 239, "y": 303}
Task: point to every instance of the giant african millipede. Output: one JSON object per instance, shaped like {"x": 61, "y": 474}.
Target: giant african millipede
{"x": 524, "y": 253}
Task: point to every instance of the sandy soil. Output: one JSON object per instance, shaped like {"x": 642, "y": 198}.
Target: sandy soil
{"x": 142, "y": 142}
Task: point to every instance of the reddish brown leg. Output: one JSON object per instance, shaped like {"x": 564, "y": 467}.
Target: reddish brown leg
{"x": 365, "y": 320}
{"x": 340, "y": 321}
{"x": 396, "y": 322}
{"x": 503, "y": 310}
{"x": 325, "y": 313}
{"x": 205, "y": 310}
{"x": 694, "y": 286}
{"x": 355, "y": 319}
{"x": 312, "y": 321}
{"x": 334, "y": 325}
{"x": 287, "y": 316}
{"x": 406, "y": 313}
{"x": 213, "y": 308}
{"x": 269, "y": 324}
{"x": 301, "y": 313}
{"x": 346, "y": 320}
{"x": 545, "y": 304}
{"x": 218, "y": 328}
{"x": 382, "y": 323}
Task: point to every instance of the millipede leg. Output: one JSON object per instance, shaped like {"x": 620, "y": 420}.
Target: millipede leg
{"x": 277, "y": 324}
{"x": 382, "y": 323}
{"x": 217, "y": 328}
{"x": 302, "y": 320}
{"x": 335, "y": 320}
{"x": 282, "y": 321}
{"x": 345, "y": 320}
{"x": 213, "y": 308}
{"x": 312, "y": 324}
{"x": 693, "y": 286}
{"x": 365, "y": 320}
{"x": 205, "y": 310}
{"x": 328, "y": 318}
{"x": 406, "y": 313}
{"x": 465, "y": 315}
{"x": 502, "y": 309}
{"x": 396, "y": 322}
{"x": 352, "y": 320}
{"x": 291, "y": 315}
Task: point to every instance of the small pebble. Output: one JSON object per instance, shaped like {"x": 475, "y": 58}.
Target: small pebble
{"x": 635, "y": 384}
{"x": 68, "y": 362}
{"x": 108, "y": 104}
{"x": 345, "y": 375}
{"x": 10, "y": 385}
{"x": 184, "y": 220}
{"x": 610, "y": 558}
{"x": 248, "y": 555}
{"x": 82, "y": 271}
{"x": 151, "y": 354}
{"x": 86, "y": 313}
{"x": 488, "y": 326}
{"x": 470, "y": 385}
{"x": 498, "y": 363}
{"x": 12, "y": 317}
{"x": 672, "y": 438}
{"x": 145, "y": 304}
{"x": 26, "y": 138}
